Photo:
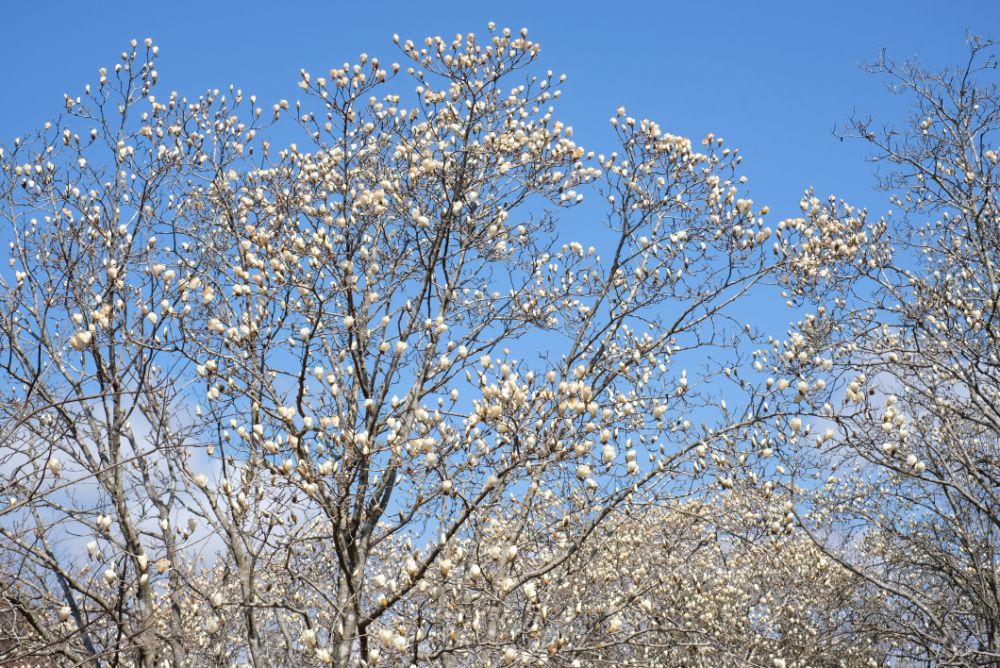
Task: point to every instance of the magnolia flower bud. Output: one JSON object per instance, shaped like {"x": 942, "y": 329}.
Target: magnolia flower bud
{"x": 530, "y": 591}
{"x": 81, "y": 340}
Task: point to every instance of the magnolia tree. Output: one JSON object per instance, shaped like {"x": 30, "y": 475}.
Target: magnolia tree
{"x": 378, "y": 396}
{"x": 906, "y": 344}
{"x": 401, "y": 375}
{"x": 694, "y": 583}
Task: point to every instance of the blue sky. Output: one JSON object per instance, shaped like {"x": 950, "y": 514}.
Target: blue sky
{"x": 772, "y": 78}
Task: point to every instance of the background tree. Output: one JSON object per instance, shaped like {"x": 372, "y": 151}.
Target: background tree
{"x": 697, "y": 583}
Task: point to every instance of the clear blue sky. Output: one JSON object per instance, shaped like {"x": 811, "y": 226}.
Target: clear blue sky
{"x": 770, "y": 77}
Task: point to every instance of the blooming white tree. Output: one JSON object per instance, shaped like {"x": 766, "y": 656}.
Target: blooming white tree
{"x": 907, "y": 340}
{"x": 399, "y": 374}
{"x": 262, "y": 404}
{"x": 701, "y": 583}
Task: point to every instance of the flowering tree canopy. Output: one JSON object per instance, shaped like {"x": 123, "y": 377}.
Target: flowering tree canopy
{"x": 399, "y": 374}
